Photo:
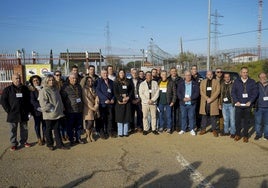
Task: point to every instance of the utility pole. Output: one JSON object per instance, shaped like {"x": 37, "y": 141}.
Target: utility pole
{"x": 208, "y": 47}
{"x": 259, "y": 28}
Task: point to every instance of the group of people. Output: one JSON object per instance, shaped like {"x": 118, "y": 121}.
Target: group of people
{"x": 115, "y": 106}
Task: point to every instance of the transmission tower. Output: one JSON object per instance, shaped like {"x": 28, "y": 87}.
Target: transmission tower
{"x": 108, "y": 47}
{"x": 215, "y": 31}
{"x": 259, "y": 28}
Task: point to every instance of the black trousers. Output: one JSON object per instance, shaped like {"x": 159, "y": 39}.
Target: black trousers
{"x": 107, "y": 118}
{"x": 136, "y": 108}
{"x": 206, "y": 120}
{"x": 176, "y": 116}
{"x": 242, "y": 120}
{"x": 53, "y": 125}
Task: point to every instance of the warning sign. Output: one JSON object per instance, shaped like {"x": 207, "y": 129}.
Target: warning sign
{"x": 37, "y": 69}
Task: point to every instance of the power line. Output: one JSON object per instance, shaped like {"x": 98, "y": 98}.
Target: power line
{"x": 227, "y": 35}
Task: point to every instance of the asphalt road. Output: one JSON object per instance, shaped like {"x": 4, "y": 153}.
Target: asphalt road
{"x": 136, "y": 161}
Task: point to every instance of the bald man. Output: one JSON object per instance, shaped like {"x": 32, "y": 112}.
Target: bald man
{"x": 209, "y": 107}
{"x": 16, "y": 102}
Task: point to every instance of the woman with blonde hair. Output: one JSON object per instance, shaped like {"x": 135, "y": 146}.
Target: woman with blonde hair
{"x": 91, "y": 107}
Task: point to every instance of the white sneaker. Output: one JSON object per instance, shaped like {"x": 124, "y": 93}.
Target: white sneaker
{"x": 181, "y": 132}
{"x": 192, "y": 133}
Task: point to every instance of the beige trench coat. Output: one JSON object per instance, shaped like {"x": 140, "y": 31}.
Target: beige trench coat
{"x": 214, "y": 106}
{"x": 91, "y": 104}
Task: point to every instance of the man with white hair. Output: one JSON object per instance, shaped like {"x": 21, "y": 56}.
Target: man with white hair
{"x": 72, "y": 99}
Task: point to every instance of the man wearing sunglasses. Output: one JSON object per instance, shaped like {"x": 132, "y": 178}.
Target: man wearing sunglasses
{"x": 219, "y": 77}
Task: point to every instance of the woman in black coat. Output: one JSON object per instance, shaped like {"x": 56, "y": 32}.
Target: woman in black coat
{"x": 35, "y": 82}
{"x": 122, "y": 92}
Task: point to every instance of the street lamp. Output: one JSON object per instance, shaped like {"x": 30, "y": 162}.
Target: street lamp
{"x": 142, "y": 51}
{"x": 87, "y": 59}
{"x": 18, "y": 55}
{"x": 34, "y": 56}
{"x": 100, "y": 61}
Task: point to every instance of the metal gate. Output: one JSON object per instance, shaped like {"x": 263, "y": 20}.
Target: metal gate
{"x": 7, "y": 62}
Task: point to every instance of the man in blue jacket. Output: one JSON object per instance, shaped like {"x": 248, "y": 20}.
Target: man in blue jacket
{"x": 105, "y": 93}
{"x": 244, "y": 93}
{"x": 261, "y": 112}
{"x": 188, "y": 95}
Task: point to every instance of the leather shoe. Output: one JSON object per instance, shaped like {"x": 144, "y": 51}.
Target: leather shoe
{"x": 237, "y": 138}
{"x": 51, "y": 148}
{"x": 145, "y": 132}
{"x": 215, "y": 133}
{"x": 155, "y": 132}
{"x": 245, "y": 139}
{"x": 202, "y": 132}
{"x": 232, "y": 136}
{"x": 63, "y": 148}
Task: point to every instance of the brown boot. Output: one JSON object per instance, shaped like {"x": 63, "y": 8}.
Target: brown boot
{"x": 202, "y": 132}
{"x": 237, "y": 138}
{"x": 40, "y": 142}
{"x": 215, "y": 133}
{"x": 245, "y": 139}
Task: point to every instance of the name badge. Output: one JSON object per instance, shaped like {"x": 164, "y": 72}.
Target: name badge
{"x": 18, "y": 95}
{"x": 150, "y": 91}
{"x": 225, "y": 99}
{"x": 78, "y": 100}
{"x": 109, "y": 90}
{"x": 209, "y": 88}
{"x": 187, "y": 96}
{"x": 265, "y": 98}
{"x": 124, "y": 87}
{"x": 164, "y": 90}
{"x": 245, "y": 95}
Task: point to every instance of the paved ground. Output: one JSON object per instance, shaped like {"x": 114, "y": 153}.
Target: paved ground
{"x": 137, "y": 161}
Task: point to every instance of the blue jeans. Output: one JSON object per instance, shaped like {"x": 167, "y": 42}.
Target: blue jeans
{"x": 122, "y": 129}
{"x": 165, "y": 115}
{"x": 37, "y": 124}
{"x": 261, "y": 115}
{"x": 188, "y": 113}
{"x": 228, "y": 112}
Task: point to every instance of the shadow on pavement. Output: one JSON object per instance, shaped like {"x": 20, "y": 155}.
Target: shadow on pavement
{"x": 226, "y": 177}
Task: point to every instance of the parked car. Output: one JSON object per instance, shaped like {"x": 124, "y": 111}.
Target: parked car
{"x": 233, "y": 75}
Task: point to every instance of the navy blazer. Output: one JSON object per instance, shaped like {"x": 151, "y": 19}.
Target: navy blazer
{"x": 102, "y": 90}
{"x": 181, "y": 92}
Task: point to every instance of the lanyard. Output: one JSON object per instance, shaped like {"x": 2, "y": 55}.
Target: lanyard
{"x": 75, "y": 89}
{"x": 264, "y": 89}
{"x": 245, "y": 87}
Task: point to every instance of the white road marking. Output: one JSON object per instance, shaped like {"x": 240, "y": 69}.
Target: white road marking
{"x": 196, "y": 176}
